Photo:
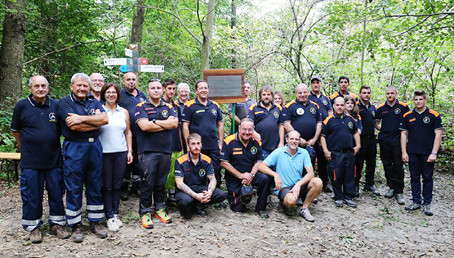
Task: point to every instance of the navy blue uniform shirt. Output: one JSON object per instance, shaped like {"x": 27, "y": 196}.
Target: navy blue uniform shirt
{"x": 129, "y": 102}
{"x": 303, "y": 118}
{"x": 193, "y": 174}
{"x": 367, "y": 114}
{"x": 175, "y": 132}
{"x": 267, "y": 124}
{"x": 240, "y": 157}
{"x": 154, "y": 141}
{"x": 86, "y": 107}
{"x": 421, "y": 129}
{"x": 339, "y": 132}
{"x": 39, "y": 132}
{"x": 391, "y": 120}
{"x": 323, "y": 103}
{"x": 336, "y": 94}
{"x": 203, "y": 120}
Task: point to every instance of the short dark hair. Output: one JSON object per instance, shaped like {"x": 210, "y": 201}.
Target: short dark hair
{"x": 106, "y": 87}
{"x": 266, "y": 88}
{"x": 344, "y": 77}
{"x": 364, "y": 87}
{"x": 420, "y": 93}
{"x": 168, "y": 82}
{"x": 199, "y": 81}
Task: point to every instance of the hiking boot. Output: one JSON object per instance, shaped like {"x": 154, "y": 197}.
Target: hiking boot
{"x": 112, "y": 225}
{"x": 412, "y": 207}
{"x": 371, "y": 188}
{"x": 222, "y": 205}
{"x": 351, "y": 203}
{"x": 97, "y": 229}
{"x": 315, "y": 201}
{"x": 118, "y": 220}
{"x": 400, "y": 198}
{"x": 147, "y": 221}
{"x": 327, "y": 188}
{"x": 134, "y": 191}
{"x": 390, "y": 193}
{"x": 201, "y": 212}
{"x": 60, "y": 232}
{"x": 171, "y": 197}
{"x": 427, "y": 210}
{"x": 124, "y": 195}
{"x": 356, "y": 192}
{"x": 77, "y": 234}
{"x": 162, "y": 216}
{"x": 306, "y": 214}
{"x": 339, "y": 203}
{"x": 299, "y": 202}
{"x": 36, "y": 236}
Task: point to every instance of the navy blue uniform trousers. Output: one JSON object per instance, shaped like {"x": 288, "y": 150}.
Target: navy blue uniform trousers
{"x": 342, "y": 174}
{"x": 419, "y": 167}
{"x": 391, "y": 157}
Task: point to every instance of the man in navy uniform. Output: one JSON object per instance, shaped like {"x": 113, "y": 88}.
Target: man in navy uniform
{"x": 423, "y": 129}
{"x": 368, "y": 151}
{"x": 343, "y": 83}
{"x": 155, "y": 120}
{"x": 338, "y": 134}
{"x": 391, "y": 115}
{"x": 191, "y": 173}
{"x": 241, "y": 109}
{"x": 269, "y": 121}
{"x": 240, "y": 157}
{"x": 80, "y": 119}
{"x": 130, "y": 97}
{"x": 325, "y": 109}
{"x": 97, "y": 82}
{"x": 35, "y": 127}
{"x": 204, "y": 117}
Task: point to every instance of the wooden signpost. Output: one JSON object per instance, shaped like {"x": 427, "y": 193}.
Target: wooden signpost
{"x": 134, "y": 63}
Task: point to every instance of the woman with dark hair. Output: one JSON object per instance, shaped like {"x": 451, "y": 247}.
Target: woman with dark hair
{"x": 279, "y": 98}
{"x": 116, "y": 140}
{"x": 351, "y": 108}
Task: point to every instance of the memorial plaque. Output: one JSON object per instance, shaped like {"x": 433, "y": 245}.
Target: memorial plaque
{"x": 226, "y": 85}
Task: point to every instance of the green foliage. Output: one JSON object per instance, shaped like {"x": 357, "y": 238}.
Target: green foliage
{"x": 7, "y": 141}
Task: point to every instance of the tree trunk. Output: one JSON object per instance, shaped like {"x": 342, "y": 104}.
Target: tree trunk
{"x": 364, "y": 42}
{"x": 233, "y": 25}
{"x": 137, "y": 23}
{"x": 207, "y": 35}
{"x": 12, "y": 53}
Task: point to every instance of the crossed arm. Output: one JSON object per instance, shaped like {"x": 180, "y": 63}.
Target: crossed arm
{"x": 86, "y": 123}
{"x": 159, "y": 125}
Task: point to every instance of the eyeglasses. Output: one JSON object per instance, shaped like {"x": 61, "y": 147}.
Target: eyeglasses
{"x": 97, "y": 80}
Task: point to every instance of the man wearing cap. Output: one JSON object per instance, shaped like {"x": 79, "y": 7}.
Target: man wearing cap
{"x": 343, "y": 83}
{"x": 130, "y": 97}
{"x": 35, "y": 127}
{"x": 97, "y": 82}
{"x": 325, "y": 109}
{"x": 241, "y": 109}
{"x": 269, "y": 121}
{"x": 423, "y": 129}
{"x": 390, "y": 114}
{"x": 191, "y": 173}
{"x": 338, "y": 134}
{"x": 80, "y": 119}
{"x": 294, "y": 176}
{"x": 240, "y": 157}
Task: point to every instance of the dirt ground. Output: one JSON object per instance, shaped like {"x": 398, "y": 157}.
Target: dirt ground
{"x": 379, "y": 227}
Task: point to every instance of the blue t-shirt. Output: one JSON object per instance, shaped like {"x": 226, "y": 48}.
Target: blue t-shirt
{"x": 290, "y": 169}
{"x": 39, "y": 132}
{"x": 267, "y": 124}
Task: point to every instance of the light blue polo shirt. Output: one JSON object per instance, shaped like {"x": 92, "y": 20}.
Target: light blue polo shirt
{"x": 290, "y": 169}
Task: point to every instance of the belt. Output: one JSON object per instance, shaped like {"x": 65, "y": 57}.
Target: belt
{"x": 90, "y": 139}
{"x": 346, "y": 150}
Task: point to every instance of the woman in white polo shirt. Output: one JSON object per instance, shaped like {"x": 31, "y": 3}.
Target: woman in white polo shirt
{"x": 116, "y": 140}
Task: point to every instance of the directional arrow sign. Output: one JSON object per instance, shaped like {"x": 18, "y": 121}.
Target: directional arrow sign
{"x": 114, "y": 61}
{"x": 151, "y": 68}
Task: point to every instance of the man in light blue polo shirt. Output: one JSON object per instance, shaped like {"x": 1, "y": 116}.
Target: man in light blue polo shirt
{"x": 294, "y": 176}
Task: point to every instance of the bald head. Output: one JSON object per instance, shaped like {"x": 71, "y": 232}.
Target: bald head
{"x": 130, "y": 81}
{"x": 339, "y": 106}
{"x": 302, "y": 93}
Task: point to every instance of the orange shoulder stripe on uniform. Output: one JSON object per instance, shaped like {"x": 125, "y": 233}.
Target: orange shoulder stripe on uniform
{"x": 140, "y": 104}
{"x": 279, "y": 106}
{"x": 168, "y": 105}
{"x": 403, "y": 104}
{"x": 409, "y": 112}
{"x": 258, "y": 141}
{"x": 289, "y": 104}
{"x": 206, "y": 158}
{"x": 190, "y": 103}
{"x": 354, "y": 95}
{"x": 253, "y": 106}
{"x": 433, "y": 112}
{"x": 381, "y": 106}
{"x": 229, "y": 138}
{"x": 359, "y": 117}
{"x": 183, "y": 158}
{"x": 333, "y": 96}
{"x": 214, "y": 102}
{"x": 325, "y": 122}
{"x": 315, "y": 104}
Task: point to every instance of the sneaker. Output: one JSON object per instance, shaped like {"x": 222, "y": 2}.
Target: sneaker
{"x": 299, "y": 202}
{"x": 36, "y": 236}
{"x": 315, "y": 201}
{"x": 427, "y": 210}
{"x": 327, "y": 188}
{"x": 112, "y": 224}
{"x": 356, "y": 192}
{"x": 413, "y": 207}
{"x": 97, "y": 229}
{"x": 339, "y": 203}
{"x": 201, "y": 212}
{"x": 162, "y": 215}
{"x": 147, "y": 221}
{"x": 351, "y": 203}
{"x": 263, "y": 214}
{"x": 60, "y": 232}
{"x": 400, "y": 198}
{"x": 372, "y": 189}
{"x": 390, "y": 193}
{"x": 306, "y": 214}
{"x": 118, "y": 221}
{"x": 77, "y": 234}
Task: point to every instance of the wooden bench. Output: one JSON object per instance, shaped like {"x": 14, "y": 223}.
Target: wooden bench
{"x": 15, "y": 157}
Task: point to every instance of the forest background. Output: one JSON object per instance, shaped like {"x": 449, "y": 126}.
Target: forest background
{"x": 405, "y": 43}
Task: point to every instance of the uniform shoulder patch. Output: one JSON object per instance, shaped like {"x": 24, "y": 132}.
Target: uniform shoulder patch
{"x": 214, "y": 102}
{"x": 290, "y": 103}
{"x": 409, "y": 112}
{"x": 253, "y": 106}
{"x": 315, "y": 104}
{"x": 229, "y": 138}
{"x": 333, "y": 96}
{"x": 279, "y": 106}
{"x": 183, "y": 158}
{"x": 190, "y": 103}
{"x": 205, "y": 158}
{"x": 140, "y": 104}
{"x": 168, "y": 105}
{"x": 325, "y": 122}
{"x": 433, "y": 112}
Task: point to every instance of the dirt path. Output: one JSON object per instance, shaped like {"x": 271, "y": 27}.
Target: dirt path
{"x": 379, "y": 227}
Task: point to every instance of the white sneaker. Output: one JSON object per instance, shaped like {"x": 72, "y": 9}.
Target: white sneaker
{"x": 112, "y": 225}
{"x": 118, "y": 221}
{"x": 305, "y": 213}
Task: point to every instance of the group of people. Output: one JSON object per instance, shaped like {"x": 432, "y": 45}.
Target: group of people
{"x": 174, "y": 149}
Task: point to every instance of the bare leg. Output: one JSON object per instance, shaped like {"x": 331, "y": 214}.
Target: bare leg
{"x": 313, "y": 190}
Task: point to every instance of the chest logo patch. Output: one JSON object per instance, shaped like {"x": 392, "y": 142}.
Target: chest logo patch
{"x": 213, "y": 110}
{"x": 300, "y": 111}
{"x": 254, "y": 150}
{"x": 397, "y": 111}
{"x": 426, "y": 120}
{"x": 202, "y": 172}
{"x": 350, "y": 125}
{"x": 325, "y": 102}
{"x": 52, "y": 117}
{"x": 165, "y": 113}
{"x": 275, "y": 114}
{"x": 373, "y": 113}
{"x": 91, "y": 112}
{"x": 313, "y": 111}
